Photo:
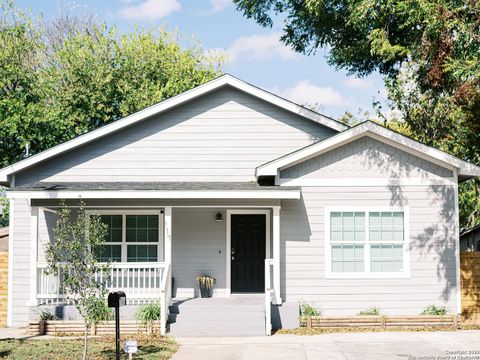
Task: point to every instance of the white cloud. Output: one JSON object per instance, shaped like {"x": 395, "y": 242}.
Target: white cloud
{"x": 259, "y": 47}
{"x": 304, "y": 92}
{"x": 150, "y": 9}
{"x": 218, "y": 5}
{"x": 358, "y": 83}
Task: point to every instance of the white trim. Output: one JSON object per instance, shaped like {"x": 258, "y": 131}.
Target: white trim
{"x": 343, "y": 182}
{"x": 276, "y": 255}
{"x": 124, "y": 243}
{"x": 228, "y": 240}
{"x": 33, "y": 254}
{"x": 167, "y": 223}
{"x": 367, "y": 274}
{"x": 11, "y": 225}
{"x": 458, "y": 294}
{"x": 164, "y": 106}
{"x": 154, "y": 194}
{"x": 377, "y": 132}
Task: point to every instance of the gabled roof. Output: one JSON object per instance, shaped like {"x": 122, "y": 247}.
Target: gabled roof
{"x": 165, "y": 105}
{"x": 465, "y": 170}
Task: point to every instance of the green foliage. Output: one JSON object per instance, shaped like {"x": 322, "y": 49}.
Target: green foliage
{"x": 62, "y": 78}
{"x": 44, "y": 314}
{"x": 77, "y": 238}
{"x": 206, "y": 281}
{"x": 307, "y": 310}
{"x": 149, "y": 313}
{"x": 434, "y": 310}
{"x": 427, "y": 50}
{"x": 5, "y": 209}
{"x": 98, "y": 310}
{"x": 372, "y": 311}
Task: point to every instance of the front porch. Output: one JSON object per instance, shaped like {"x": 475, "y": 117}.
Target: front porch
{"x": 182, "y": 240}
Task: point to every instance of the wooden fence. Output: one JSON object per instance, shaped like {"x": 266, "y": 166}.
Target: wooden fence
{"x": 3, "y": 287}
{"x": 64, "y": 327}
{"x": 470, "y": 285}
{"x": 381, "y": 322}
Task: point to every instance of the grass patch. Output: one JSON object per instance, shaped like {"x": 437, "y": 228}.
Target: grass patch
{"x": 100, "y": 348}
{"x": 319, "y": 331}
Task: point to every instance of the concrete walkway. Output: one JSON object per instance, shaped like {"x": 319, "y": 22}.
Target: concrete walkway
{"x": 362, "y": 346}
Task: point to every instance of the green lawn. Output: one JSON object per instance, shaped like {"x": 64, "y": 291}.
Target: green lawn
{"x": 100, "y": 348}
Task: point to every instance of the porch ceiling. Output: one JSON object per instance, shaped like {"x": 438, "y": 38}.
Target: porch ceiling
{"x": 163, "y": 190}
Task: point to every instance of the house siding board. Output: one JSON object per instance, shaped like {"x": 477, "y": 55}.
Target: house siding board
{"x": 432, "y": 255}
{"x": 222, "y": 136}
{"x": 21, "y": 263}
{"x": 198, "y": 247}
{"x": 366, "y": 158}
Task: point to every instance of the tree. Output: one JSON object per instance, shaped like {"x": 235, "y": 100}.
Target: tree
{"x": 78, "y": 239}
{"x": 62, "y": 78}
{"x": 427, "y": 50}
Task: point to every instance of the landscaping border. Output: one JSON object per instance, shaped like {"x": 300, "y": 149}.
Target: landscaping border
{"x": 382, "y": 321}
{"x": 66, "y": 327}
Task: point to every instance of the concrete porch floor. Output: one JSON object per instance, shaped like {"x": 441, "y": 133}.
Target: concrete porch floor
{"x": 350, "y": 346}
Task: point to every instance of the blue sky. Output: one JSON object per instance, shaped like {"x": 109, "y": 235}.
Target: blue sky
{"x": 255, "y": 54}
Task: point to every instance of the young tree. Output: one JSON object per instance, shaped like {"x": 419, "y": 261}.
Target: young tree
{"x": 78, "y": 238}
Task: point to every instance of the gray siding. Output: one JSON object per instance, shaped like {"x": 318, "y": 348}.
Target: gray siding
{"x": 431, "y": 240}
{"x": 198, "y": 247}
{"x": 366, "y": 158}
{"x": 221, "y": 136}
{"x": 21, "y": 262}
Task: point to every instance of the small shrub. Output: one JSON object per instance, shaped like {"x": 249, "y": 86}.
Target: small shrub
{"x": 44, "y": 314}
{"x": 307, "y": 310}
{"x": 148, "y": 313}
{"x": 434, "y": 310}
{"x": 372, "y": 311}
{"x": 98, "y": 310}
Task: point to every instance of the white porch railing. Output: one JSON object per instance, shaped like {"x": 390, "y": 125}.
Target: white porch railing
{"x": 165, "y": 296}
{"x": 269, "y": 291}
{"x": 141, "y": 282}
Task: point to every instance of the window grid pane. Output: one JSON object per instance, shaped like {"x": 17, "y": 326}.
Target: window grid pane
{"x": 347, "y": 258}
{"x": 112, "y": 253}
{"x": 386, "y": 226}
{"x": 347, "y": 226}
{"x": 114, "y": 225}
{"x": 386, "y": 258}
{"x": 142, "y": 228}
{"x": 141, "y": 253}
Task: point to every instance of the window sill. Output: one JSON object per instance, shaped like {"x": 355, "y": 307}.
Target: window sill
{"x": 396, "y": 275}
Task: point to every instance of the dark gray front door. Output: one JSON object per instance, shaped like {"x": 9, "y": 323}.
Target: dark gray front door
{"x": 248, "y": 253}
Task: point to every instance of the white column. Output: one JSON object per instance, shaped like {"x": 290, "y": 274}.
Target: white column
{"x": 167, "y": 246}
{"x": 457, "y": 244}
{"x": 10, "y": 264}
{"x": 276, "y": 253}
{"x": 33, "y": 254}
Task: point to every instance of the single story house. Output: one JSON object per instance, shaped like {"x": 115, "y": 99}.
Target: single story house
{"x": 280, "y": 204}
{"x": 470, "y": 239}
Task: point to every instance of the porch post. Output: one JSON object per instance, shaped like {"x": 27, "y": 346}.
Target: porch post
{"x": 33, "y": 254}
{"x": 168, "y": 235}
{"x": 276, "y": 253}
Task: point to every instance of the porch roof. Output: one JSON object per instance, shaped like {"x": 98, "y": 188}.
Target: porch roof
{"x": 142, "y": 190}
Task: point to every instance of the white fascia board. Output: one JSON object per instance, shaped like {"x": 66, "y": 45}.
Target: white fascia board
{"x": 164, "y": 106}
{"x": 377, "y": 132}
{"x": 154, "y": 194}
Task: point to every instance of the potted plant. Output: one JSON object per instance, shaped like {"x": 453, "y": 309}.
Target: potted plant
{"x": 206, "y": 282}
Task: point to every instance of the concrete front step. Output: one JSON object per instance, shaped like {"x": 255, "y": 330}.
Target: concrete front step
{"x": 234, "y": 316}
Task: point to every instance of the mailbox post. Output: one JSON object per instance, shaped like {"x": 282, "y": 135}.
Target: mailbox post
{"x": 115, "y": 300}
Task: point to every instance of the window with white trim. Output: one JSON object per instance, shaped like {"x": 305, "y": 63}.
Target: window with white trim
{"x": 131, "y": 237}
{"x": 367, "y": 242}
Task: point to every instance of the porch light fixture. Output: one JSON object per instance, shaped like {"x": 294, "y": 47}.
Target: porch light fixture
{"x": 219, "y": 217}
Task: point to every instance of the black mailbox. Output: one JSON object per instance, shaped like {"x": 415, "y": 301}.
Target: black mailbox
{"x": 117, "y": 299}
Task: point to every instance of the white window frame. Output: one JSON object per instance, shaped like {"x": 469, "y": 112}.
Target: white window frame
{"x": 124, "y": 243}
{"x": 367, "y": 274}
